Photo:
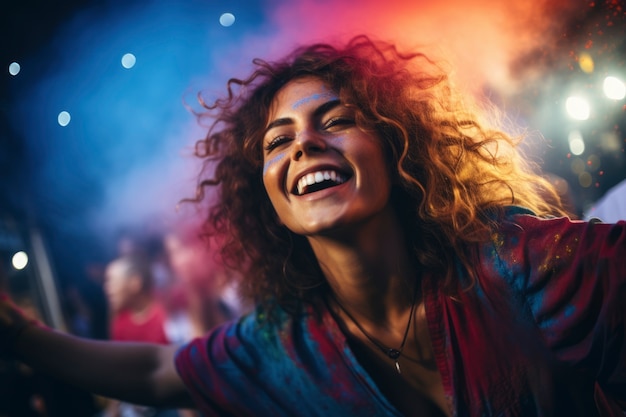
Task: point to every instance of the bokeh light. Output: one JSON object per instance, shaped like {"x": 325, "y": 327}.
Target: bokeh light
{"x": 64, "y": 118}
{"x": 577, "y": 108}
{"x": 577, "y": 166}
{"x": 128, "y": 60}
{"x": 227, "y": 19}
{"x": 576, "y": 142}
{"x": 593, "y": 162}
{"x": 614, "y": 88}
{"x": 585, "y": 61}
{"x": 585, "y": 179}
{"x": 14, "y": 68}
{"x": 19, "y": 260}
{"x": 561, "y": 185}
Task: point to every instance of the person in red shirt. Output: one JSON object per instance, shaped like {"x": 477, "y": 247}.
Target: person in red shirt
{"x": 136, "y": 314}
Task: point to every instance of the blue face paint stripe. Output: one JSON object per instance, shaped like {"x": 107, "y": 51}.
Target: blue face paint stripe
{"x": 272, "y": 162}
{"x": 338, "y": 139}
{"x": 315, "y": 96}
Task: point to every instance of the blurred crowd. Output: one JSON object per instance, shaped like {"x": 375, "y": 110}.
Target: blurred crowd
{"x": 157, "y": 287}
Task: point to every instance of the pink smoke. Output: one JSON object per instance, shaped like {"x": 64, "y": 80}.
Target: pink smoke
{"x": 479, "y": 39}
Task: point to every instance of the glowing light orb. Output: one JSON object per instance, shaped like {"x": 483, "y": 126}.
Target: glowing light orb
{"x": 593, "y": 162}
{"x": 614, "y": 88}
{"x": 577, "y": 166}
{"x": 562, "y": 187}
{"x": 227, "y": 19}
{"x": 585, "y": 62}
{"x": 585, "y": 179}
{"x": 578, "y": 108}
{"x": 128, "y": 60}
{"x": 64, "y": 118}
{"x": 576, "y": 142}
{"x": 19, "y": 260}
{"x": 14, "y": 68}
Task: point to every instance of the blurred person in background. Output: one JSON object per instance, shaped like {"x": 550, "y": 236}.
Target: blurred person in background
{"x": 136, "y": 316}
{"x": 203, "y": 282}
{"x": 611, "y": 208}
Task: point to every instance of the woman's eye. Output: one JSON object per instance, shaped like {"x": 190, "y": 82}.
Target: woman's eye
{"x": 276, "y": 142}
{"x": 338, "y": 121}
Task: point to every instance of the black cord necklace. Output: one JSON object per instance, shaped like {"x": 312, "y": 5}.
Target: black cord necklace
{"x": 392, "y": 353}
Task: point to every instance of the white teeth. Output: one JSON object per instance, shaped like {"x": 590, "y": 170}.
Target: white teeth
{"x": 317, "y": 177}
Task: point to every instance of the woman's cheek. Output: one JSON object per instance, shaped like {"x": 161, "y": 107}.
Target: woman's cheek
{"x": 272, "y": 161}
{"x": 337, "y": 140}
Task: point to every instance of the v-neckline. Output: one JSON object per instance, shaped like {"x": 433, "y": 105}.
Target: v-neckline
{"x": 436, "y": 330}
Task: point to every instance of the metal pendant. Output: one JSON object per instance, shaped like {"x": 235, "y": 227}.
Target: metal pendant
{"x": 393, "y": 353}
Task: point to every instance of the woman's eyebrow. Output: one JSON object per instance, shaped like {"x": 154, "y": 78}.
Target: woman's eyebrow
{"x": 278, "y": 122}
{"x": 319, "y": 111}
{"x": 326, "y": 107}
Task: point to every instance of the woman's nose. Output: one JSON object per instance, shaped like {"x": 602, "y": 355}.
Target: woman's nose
{"x": 307, "y": 143}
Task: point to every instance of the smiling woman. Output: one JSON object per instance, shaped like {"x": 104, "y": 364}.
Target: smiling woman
{"x": 403, "y": 257}
{"x": 449, "y": 173}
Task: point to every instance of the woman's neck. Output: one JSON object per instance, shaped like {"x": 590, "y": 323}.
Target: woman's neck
{"x": 369, "y": 271}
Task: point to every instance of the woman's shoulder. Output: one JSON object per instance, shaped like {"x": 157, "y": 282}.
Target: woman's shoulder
{"x": 272, "y": 318}
{"x": 520, "y": 221}
{"x": 524, "y": 243}
{"x": 267, "y": 331}
{"x": 514, "y": 220}
{"x": 511, "y": 214}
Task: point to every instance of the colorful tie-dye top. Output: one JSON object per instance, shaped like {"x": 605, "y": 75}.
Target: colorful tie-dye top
{"x": 541, "y": 332}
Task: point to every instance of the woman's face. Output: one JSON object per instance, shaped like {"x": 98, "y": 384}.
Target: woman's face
{"x": 321, "y": 171}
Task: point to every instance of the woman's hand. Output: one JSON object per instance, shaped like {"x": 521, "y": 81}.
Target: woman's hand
{"x": 13, "y": 322}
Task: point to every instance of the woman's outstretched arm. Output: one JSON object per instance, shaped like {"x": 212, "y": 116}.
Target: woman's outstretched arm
{"x": 140, "y": 373}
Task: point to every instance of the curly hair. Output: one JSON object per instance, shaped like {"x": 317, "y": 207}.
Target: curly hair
{"x": 453, "y": 174}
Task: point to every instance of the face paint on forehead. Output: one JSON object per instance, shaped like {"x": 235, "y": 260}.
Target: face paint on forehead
{"x": 272, "y": 161}
{"x": 325, "y": 93}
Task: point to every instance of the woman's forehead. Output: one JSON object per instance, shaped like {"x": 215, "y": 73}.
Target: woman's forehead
{"x": 301, "y": 92}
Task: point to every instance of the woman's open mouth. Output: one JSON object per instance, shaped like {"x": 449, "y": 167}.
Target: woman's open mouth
{"x": 319, "y": 180}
